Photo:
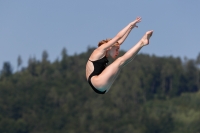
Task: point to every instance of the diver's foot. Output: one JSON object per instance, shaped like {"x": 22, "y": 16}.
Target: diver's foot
{"x": 146, "y": 37}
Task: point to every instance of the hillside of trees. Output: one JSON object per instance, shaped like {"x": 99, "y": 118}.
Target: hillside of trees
{"x": 151, "y": 95}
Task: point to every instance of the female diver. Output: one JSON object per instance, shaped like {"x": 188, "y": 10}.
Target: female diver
{"x": 99, "y": 75}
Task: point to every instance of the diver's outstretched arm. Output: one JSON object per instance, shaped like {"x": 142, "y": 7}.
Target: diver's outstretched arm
{"x": 120, "y": 34}
{"x": 126, "y": 35}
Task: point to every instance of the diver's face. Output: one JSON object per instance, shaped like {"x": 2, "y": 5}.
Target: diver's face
{"x": 114, "y": 51}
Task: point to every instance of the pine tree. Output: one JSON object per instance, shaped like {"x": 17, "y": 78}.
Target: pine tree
{"x": 19, "y": 62}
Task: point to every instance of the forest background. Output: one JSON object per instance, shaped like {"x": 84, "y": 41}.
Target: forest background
{"x": 151, "y": 95}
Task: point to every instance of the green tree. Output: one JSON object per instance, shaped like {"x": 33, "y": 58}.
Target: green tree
{"x": 45, "y": 56}
{"x": 198, "y": 70}
{"x": 6, "y": 70}
{"x": 19, "y": 62}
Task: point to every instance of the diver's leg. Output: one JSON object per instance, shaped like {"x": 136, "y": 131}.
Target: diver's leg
{"x": 130, "y": 55}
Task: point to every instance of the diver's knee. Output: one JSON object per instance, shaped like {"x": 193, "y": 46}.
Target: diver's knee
{"x": 121, "y": 61}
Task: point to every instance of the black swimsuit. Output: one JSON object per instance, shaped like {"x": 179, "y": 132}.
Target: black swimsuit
{"x": 99, "y": 66}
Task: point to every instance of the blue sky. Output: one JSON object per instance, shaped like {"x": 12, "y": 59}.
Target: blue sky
{"x": 28, "y": 27}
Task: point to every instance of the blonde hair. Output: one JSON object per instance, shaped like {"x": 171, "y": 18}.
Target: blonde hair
{"x": 105, "y": 41}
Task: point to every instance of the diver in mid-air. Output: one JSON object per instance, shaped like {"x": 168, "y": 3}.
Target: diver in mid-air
{"x": 101, "y": 76}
